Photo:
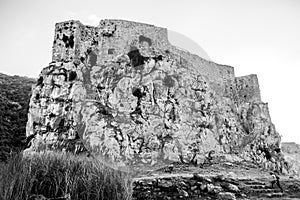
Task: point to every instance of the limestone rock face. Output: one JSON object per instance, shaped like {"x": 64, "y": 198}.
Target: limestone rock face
{"x": 123, "y": 91}
{"x": 291, "y": 153}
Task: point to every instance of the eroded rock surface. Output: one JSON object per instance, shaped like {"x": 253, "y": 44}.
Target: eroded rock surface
{"x": 122, "y": 90}
{"x": 291, "y": 153}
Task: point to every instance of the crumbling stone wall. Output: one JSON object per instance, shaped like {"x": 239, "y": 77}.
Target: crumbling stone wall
{"x": 75, "y": 41}
{"x": 66, "y": 34}
{"x": 123, "y": 91}
{"x": 187, "y": 187}
{"x": 247, "y": 88}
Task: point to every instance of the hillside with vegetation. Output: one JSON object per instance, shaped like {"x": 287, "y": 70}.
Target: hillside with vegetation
{"x": 15, "y": 92}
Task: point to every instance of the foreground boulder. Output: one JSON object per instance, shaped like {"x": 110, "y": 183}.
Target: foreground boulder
{"x": 121, "y": 90}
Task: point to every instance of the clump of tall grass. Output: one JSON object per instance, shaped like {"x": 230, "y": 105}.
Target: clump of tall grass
{"x": 54, "y": 175}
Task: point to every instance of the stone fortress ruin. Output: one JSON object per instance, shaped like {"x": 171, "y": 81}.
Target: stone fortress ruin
{"x": 73, "y": 41}
{"x": 121, "y": 90}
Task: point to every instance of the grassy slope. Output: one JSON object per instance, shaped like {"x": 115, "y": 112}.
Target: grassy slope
{"x": 57, "y": 175}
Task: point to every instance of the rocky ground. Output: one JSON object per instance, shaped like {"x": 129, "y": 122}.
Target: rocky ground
{"x": 228, "y": 180}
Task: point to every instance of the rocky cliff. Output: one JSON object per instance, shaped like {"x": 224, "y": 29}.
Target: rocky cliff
{"x": 123, "y": 91}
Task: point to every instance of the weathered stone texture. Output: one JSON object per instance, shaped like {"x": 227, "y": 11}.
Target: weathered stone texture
{"x": 122, "y": 90}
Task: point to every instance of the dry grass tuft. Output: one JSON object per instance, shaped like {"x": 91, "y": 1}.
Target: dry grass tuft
{"x": 55, "y": 175}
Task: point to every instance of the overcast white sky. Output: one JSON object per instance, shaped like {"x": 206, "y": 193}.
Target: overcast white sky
{"x": 254, "y": 36}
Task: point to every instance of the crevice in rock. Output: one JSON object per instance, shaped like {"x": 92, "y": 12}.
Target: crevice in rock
{"x": 40, "y": 81}
{"x": 72, "y": 76}
{"x": 136, "y": 58}
{"x": 139, "y": 94}
{"x": 68, "y": 40}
